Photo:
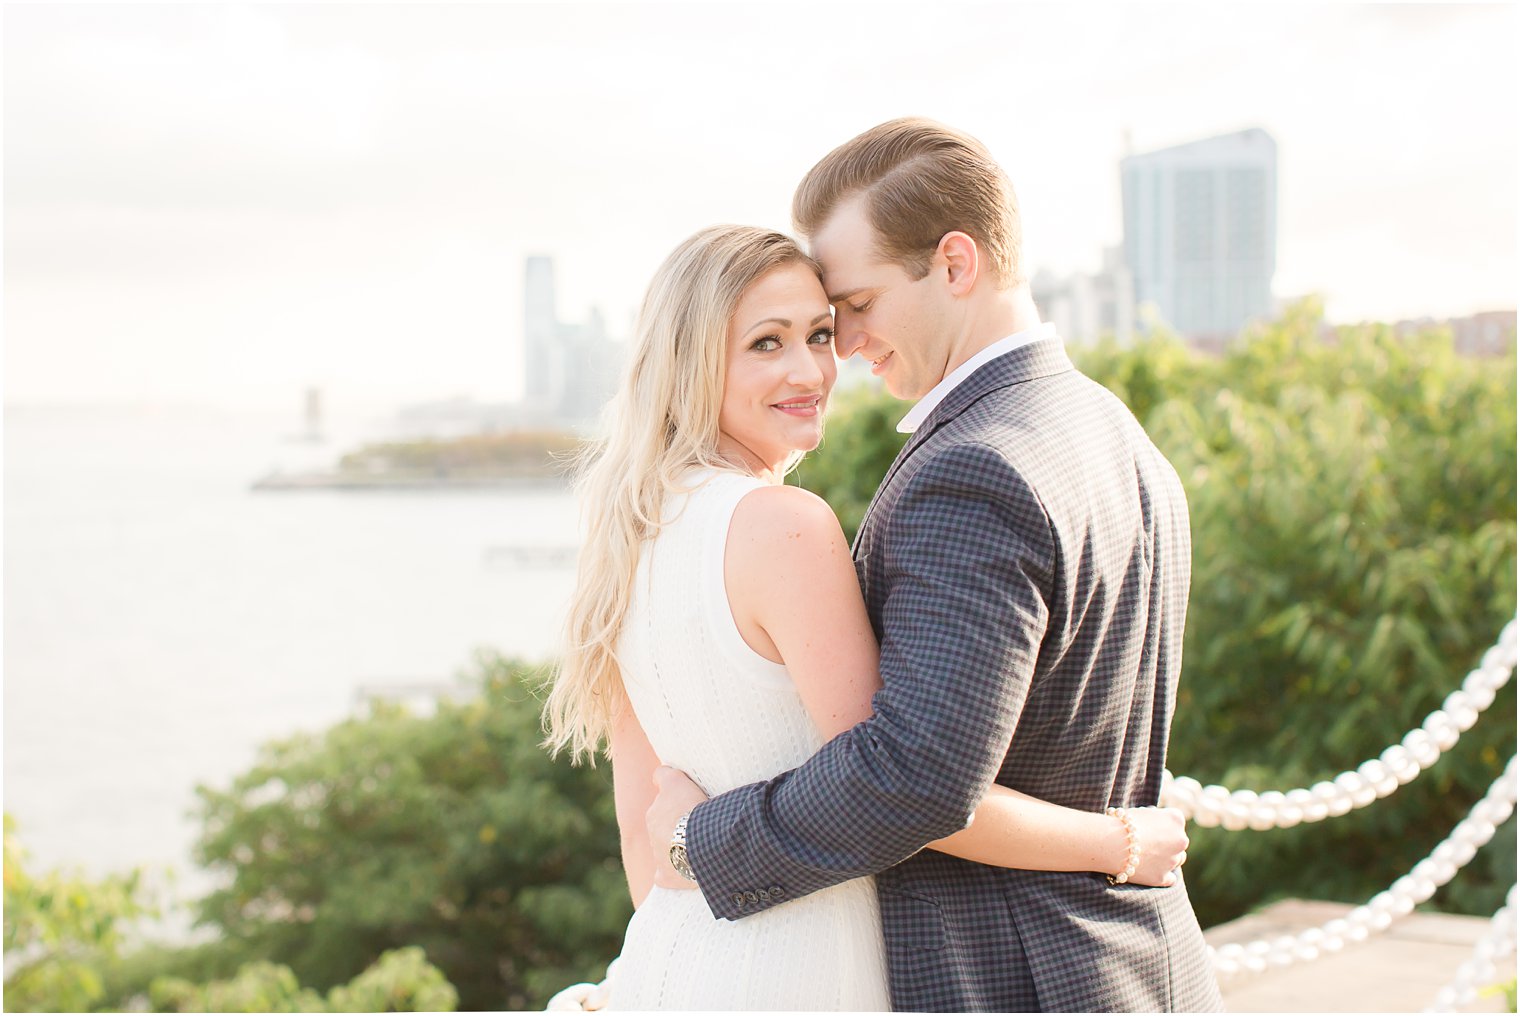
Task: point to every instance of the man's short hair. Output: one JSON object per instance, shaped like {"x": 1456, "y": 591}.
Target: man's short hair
{"x": 921, "y": 180}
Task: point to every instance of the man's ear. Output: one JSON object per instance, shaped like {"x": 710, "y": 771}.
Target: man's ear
{"x": 957, "y": 255}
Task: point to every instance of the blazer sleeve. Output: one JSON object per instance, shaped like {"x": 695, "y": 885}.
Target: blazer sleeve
{"x": 967, "y": 561}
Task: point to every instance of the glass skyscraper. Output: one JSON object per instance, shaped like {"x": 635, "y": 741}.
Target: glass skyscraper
{"x": 1200, "y": 231}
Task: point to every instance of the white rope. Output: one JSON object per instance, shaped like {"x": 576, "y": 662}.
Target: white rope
{"x": 1399, "y": 899}
{"x": 1481, "y": 971}
{"x": 1372, "y": 780}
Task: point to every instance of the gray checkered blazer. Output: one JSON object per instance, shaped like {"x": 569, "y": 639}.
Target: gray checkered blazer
{"x": 1025, "y": 565}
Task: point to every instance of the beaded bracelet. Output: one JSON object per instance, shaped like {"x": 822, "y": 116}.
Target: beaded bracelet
{"x": 1132, "y": 840}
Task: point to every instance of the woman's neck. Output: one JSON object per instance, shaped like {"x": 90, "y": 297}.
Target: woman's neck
{"x": 750, "y": 461}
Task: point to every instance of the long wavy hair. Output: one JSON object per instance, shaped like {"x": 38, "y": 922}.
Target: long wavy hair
{"x": 662, "y": 422}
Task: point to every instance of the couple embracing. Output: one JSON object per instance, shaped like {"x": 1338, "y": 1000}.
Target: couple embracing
{"x": 919, "y": 773}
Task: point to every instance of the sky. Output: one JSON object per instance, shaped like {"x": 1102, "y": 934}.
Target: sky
{"x": 226, "y": 204}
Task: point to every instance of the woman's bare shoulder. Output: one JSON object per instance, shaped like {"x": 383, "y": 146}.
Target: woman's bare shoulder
{"x": 785, "y": 518}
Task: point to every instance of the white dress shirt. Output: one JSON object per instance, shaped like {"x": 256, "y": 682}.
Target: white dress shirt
{"x": 925, "y": 405}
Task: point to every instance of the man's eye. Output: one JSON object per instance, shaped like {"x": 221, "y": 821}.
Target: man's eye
{"x": 822, "y": 336}
{"x": 861, "y": 309}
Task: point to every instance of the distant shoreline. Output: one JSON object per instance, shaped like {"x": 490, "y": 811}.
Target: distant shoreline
{"x": 383, "y": 482}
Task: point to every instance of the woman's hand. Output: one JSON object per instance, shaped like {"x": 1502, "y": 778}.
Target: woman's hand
{"x": 1161, "y": 834}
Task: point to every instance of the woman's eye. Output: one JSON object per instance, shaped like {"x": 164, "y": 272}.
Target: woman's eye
{"x": 822, "y": 336}
{"x": 766, "y": 343}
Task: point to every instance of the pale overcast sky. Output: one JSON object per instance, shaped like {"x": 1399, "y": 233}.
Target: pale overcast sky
{"x": 225, "y": 204}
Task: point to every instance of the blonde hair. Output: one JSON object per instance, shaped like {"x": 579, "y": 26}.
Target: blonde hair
{"x": 662, "y": 422}
{"x": 921, "y": 180}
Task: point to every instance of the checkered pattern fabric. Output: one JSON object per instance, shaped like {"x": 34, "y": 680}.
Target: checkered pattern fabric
{"x": 1025, "y": 565}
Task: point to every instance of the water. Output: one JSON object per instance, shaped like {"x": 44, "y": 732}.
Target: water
{"x": 162, "y": 620}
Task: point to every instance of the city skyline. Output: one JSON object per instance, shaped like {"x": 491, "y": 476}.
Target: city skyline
{"x": 232, "y": 204}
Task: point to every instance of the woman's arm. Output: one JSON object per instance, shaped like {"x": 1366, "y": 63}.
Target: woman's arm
{"x": 793, "y": 592}
{"x": 633, "y": 766}
{"x": 1013, "y": 830}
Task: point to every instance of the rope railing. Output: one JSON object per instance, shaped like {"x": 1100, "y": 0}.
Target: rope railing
{"x": 1399, "y": 899}
{"x": 1481, "y": 971}
{"x": 1372, "y": 780}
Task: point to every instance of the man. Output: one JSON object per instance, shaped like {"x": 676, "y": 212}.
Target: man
{"x": 1025, "y": 565}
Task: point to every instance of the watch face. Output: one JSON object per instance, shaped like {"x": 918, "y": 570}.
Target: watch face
{"x": 679, "y": 862}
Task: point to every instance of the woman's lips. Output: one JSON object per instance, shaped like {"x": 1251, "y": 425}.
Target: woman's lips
{"x": 800, "y": 407}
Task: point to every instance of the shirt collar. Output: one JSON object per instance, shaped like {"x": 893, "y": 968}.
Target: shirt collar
{"x": 926, "y": 405}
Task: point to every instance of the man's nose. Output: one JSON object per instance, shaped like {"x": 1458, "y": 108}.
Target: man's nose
{"x": 847, "y": 342}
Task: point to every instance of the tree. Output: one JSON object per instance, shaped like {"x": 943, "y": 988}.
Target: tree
{"x": 61, "y": 931}
{"x": 859, "y": 444}
{"x": 454, "y": 832}
{"x": 1353, "y": 514}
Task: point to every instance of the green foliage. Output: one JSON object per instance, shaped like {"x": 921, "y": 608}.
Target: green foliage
{"x": 62, "y": 932}
{"x": 401, "y": 981}
{"x": 860, "y": 443}
{"x": 1507, "y": 989}
{"x": 1353, "y": 515}
{"x": 453, "y": 832}
{"x": 473, "y": 456}
{"x": 1157, "y": 370}
{"x": 257, "y": 987}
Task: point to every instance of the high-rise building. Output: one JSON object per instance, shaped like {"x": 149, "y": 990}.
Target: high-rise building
{"x": 1086, "y": 308}
{"x": 542, "y": 358}
{"x": 1200, "y": 231}
{"x": 570, "y": 369}
{"x": 592, "y": 361}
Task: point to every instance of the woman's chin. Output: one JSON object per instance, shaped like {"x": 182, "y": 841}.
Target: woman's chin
{"x": 807, "y": 444}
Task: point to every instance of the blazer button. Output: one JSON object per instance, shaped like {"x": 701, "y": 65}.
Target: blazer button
{"x": 738, "y": 899}
{"x": 765, "y": 897}
{"x": 751, "y": 897}
{"x": 777, "y": 892}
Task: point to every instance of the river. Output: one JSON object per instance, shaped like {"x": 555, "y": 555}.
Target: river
{"x": 162, "y": 620}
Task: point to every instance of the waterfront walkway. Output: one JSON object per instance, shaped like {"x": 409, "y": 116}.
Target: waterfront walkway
{"x": 1400, "y": 970}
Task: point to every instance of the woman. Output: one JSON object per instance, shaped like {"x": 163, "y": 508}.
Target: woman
{"x": 674, "y": 658}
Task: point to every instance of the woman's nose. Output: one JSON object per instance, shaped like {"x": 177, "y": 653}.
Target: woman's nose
{"x": 803, "y": 369}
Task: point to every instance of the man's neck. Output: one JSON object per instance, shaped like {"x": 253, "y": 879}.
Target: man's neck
{"x": 1003, "y": 313}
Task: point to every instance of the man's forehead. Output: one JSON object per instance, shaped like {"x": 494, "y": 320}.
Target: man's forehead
{"x": 848, "y": 272}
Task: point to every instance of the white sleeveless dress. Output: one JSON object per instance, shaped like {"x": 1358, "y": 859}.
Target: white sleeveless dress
{"x": 714, "y": 708}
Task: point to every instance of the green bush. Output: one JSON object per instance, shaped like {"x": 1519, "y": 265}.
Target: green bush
{"x": 63, "y": 933}
{"x": 1353, "y": 512}
{"x": 859, "y": 443}
{"x": 453, "y": 832}
{"x": 400, "y": 981}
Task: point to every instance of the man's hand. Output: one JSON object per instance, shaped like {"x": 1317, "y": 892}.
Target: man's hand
{"x": 675, "y": 796}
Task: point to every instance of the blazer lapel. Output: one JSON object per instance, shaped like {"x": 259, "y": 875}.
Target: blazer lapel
{"x": 1036, "y": 360}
